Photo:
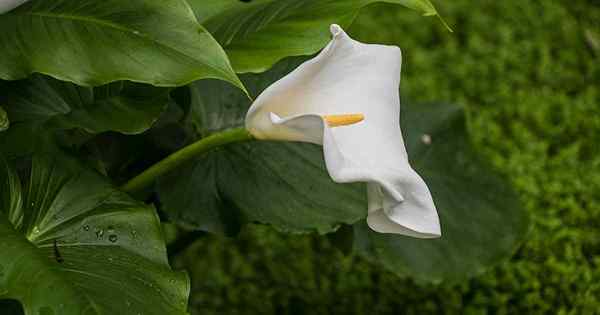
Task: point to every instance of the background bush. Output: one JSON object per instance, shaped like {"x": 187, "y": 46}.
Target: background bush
{"x": 529, "y": 75}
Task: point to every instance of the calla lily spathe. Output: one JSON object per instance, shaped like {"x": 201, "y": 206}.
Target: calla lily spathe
{"x": 346, "y": 99}
{"x": 7, "y": 5}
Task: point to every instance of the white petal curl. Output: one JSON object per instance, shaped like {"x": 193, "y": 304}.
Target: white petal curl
{"x": 7, "y": 5}
{"x": 349, "y": 77}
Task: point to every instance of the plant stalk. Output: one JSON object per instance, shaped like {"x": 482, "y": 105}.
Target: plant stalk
{"x": 176, "y": 159}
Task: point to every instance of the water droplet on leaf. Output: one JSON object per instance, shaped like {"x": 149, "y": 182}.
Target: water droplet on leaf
{"x": 99, "y": 233}
{"x": 426, "y": 139}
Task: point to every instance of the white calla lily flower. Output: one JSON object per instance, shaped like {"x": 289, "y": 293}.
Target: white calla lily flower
{"x": 346, "y": 99}
{"x": 7, "y": 5}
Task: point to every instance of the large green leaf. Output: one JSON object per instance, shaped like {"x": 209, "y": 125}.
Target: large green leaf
{"x": 94, "y": 42}
{"x": 41, "y": 104}
{"x": 256, "y": 34}
{"x": 73, "y": 244}
{"x": 285, "y": 184}
{"x": 482, "y": 219}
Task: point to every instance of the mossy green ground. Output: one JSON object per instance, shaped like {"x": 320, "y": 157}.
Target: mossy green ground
{"x": 529, "y": 74}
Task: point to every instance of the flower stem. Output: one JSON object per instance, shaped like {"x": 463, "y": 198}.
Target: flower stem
{"x": 185, "y": 154}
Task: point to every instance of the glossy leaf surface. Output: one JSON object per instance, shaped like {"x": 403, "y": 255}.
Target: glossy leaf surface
{"x": 257, "y": 34}
{"x": 73, "y": 244}
{"x": 94, "y": 42}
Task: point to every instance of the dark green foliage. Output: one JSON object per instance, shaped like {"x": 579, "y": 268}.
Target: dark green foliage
{"x": 41, "y": 105}
{"x": 529, "y": 75}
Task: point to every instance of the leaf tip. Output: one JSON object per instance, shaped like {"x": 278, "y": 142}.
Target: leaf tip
{"x": 445, "y": 24}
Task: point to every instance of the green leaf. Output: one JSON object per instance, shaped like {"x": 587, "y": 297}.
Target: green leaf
{"x": 482, "y": 219}
{"x": 282, "y": 184}
{"x": 4, "y": 122}
{"x": 41, "y": 104}
{"x": 94, "y": 42}
{"x": 76, "y": 245}
{"x": 257, "y": 34}
{"x": 285, "y": 184}
{"x": 21, "y": 139}
{"x": 11, "y": 198}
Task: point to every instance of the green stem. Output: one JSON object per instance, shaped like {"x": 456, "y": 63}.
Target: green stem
{"x": 185, "y": 154}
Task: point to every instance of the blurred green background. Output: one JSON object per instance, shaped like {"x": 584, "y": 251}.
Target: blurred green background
{"x": 529, "y": 74}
